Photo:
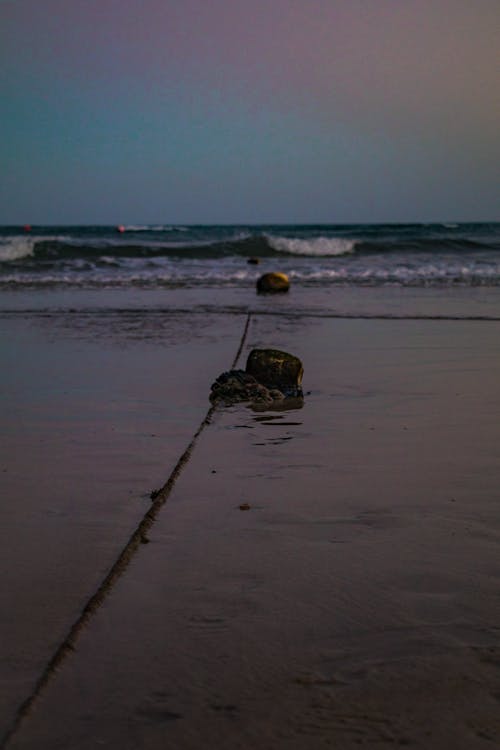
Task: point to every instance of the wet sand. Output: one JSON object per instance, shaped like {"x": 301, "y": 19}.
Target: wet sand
{"x": 355, "y": 602}
{"x": 96, "y": 411}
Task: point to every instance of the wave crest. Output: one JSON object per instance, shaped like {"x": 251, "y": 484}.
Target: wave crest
{"x": 314, "y": 246}
{"x": 16, "y": 248}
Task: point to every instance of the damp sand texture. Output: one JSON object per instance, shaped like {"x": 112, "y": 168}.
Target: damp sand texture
{"x": 354, "y": 602}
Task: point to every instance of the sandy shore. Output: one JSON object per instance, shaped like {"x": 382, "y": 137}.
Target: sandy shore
{"x": 96, "y": 411}
{"x": 354, "y": 603}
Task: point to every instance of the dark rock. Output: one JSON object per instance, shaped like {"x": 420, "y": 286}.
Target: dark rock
{"x": 254, "y": 261}
{"x": 276, "y": 370}
{"x": 288, "y": 403}
{"x": 271, "y": 377}
{"x": 237, "y": 385}
{"x": 273, "y": 282}
{"x": 276, "y": 394}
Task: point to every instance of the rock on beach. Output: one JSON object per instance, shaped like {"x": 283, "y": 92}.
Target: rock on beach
{"x": 237, "y": 385}
{"x": 271, "y": 376}
{"x": 274, "y": 368}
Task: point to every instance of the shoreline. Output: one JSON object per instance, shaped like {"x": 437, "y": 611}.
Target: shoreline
{"x": 479, "y": 302}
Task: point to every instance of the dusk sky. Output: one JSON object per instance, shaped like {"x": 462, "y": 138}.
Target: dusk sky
{"x": 239, "y": 111}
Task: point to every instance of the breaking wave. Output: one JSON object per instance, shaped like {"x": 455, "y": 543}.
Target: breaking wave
{"x": 314, "y": 246}
{"x": 16, "y": 248}
{"x": 202, "y": 244}
{"x": 159, "y": 255}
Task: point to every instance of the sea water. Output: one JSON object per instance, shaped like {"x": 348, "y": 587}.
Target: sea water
{"x": 215, "y": 265}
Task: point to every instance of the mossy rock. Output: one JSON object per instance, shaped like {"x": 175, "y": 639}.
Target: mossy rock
{"x": 273, "y": 282}
{"x": 271, "y": 380}
{"x": 237, "y": 385}
{"x": 276, "y": 369}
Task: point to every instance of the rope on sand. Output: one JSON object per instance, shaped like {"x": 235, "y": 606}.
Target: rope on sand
{"x": 68, "y": 645}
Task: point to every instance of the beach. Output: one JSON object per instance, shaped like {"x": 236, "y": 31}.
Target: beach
{"x": 250, "y": 375}
{"x": 316, "y": 577}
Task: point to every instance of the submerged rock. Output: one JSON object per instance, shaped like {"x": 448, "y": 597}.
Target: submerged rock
{"x": 273, "y": 282}
{"x": 271, "y": 377}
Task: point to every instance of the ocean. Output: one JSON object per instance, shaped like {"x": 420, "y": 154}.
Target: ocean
{"x": 165, "y": 256}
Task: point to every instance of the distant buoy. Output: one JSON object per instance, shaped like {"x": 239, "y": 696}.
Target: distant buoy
{"x": 120, "y": 228}
{"x": 273, "y": 282}
{"x": 27, "y": 227}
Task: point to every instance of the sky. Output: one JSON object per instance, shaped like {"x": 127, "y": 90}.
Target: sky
{"x": 249, "y": 111}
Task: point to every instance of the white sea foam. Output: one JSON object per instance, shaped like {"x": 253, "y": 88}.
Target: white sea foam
{"x": 153, "y": 228}
{"x": 315, "y": 246}
{"x": 14, "y": 248}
